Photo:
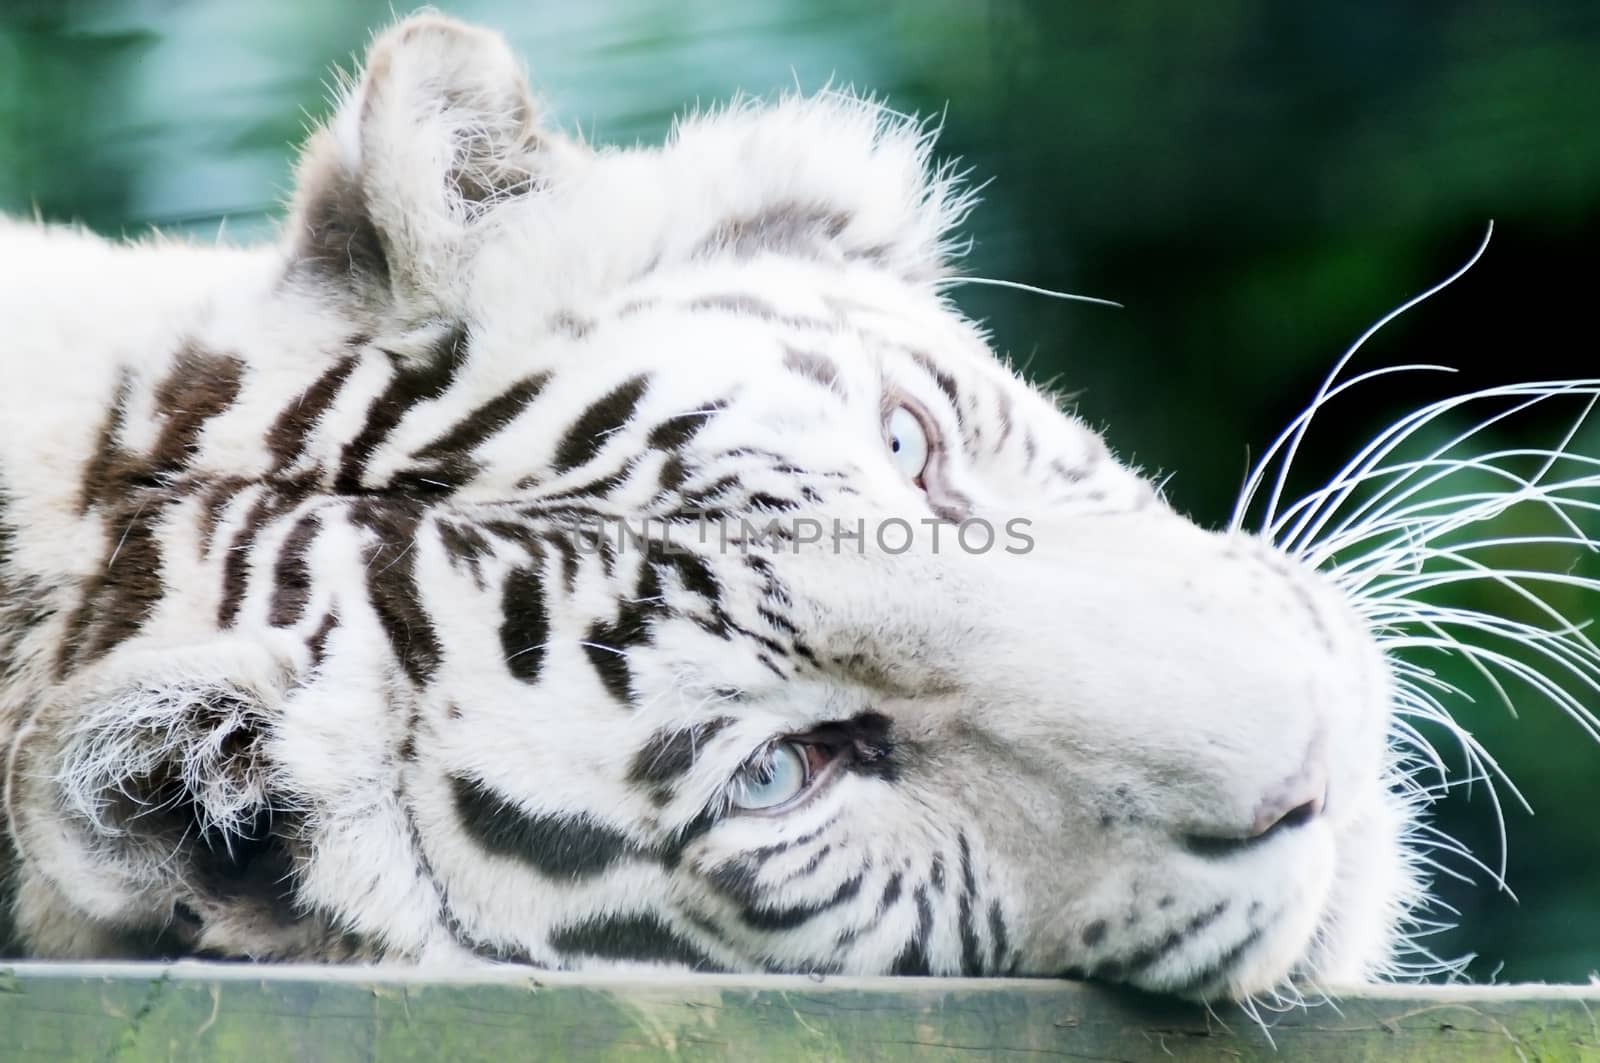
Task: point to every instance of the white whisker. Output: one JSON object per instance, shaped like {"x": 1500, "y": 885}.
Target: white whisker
{"x": 1288, "y": 441}
{"x": 994, "y": 282}
{"x": 1367, "y": 463}
{"x": 1449, "y": 540}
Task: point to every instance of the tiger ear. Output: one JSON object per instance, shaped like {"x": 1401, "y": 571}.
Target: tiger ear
{"x": 147, "y": 782}
{"x": 438, "y": 129}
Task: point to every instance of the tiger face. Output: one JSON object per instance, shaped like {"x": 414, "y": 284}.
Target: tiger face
{"x": 581, "y": 557}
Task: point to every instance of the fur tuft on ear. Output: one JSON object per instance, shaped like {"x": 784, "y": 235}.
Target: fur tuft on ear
{"x": 191, "y": 751}
{"x": 148, "y": 788}
{"x": 438, "y": 129}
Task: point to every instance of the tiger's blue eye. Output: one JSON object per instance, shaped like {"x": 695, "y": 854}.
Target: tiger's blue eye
{"x": 776, "y": 777}
{"x": 908, "y": 442}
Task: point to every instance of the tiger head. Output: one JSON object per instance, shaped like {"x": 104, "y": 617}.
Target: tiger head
{"x": 633, "y": 556}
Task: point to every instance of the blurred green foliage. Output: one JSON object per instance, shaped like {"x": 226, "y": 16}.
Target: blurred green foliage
{"x": 1257, "y": 182}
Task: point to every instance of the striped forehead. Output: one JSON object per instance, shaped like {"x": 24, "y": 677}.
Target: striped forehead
{"x": 787, "y": 365}
{"x": 706, "y": 330}
{"x": 714, "y": 366}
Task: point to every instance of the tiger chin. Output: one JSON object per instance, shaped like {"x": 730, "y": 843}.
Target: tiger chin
{"x": 358, "y": 603}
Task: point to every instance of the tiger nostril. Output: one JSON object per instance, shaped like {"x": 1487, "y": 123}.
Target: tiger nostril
{"x": 1299, "y": 815}
{"x": 1296, "y": 816}
{"x": 1281, "y": 817}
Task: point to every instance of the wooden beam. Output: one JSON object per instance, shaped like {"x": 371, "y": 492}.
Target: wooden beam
{"x": 221, "y": 1012}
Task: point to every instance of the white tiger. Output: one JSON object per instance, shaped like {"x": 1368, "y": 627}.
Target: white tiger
{"x": 332, "y": 627}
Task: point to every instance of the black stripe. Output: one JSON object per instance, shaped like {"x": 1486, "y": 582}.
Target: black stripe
{"x": 809, "y": 868}
{"x": 670, "y": 851}
{"x": 124, "y": 592}
{"x": 286, "y": 439}
{"x": 606, "y": 415}
{"x": 217, "y": 495}
{"x": 753, "y": 306}
{"x": 945, "y": 381}
{"x": 570, "y": 324}
{"x": 1144, "y": 958}
{"x": 767, "y": 852}
{"x": 607, "y": 644}
{"x": 675, "y": 432}
{"x": 465, "y": 546}
{"x": 736, "y": 879}
{"x": 199, "y": 387}
{"x": 815, "y": 367}
{"x": 998, "y": 935}
{"x": 736, "y": 303}
{"x": 317, "y": 641}
{"x": 600, "y": 487}
{"x": 779, "y": 919}
{"x": 291, "y": 575}
{"x": 1071, "y": 476}
{"x": 126, "y": 589}
{"x": 105, "y": 475}
{"x": 487, "y": 420}
{"x": 236, "y": 563}
{"x": 891, "y": 893}
{"x": 447, "y": 462}
{"x": 674, "y": 472}
{"x": 567, "y": 548}
{"x": 408, "y": 388}
{"x": 971, "y": 952}
{"x": 777, "y": 621}
{"x": 1004, "y": 414}
{"x": 524, "y": 622}
{"x": 913, "y": 959}
{"x": 703, "y": 500}
{"x": 640, "y": 937}
{"x": 693, "y": 571}
{"x": 390, "y": 562}
{"x": 569, "y": 847}
{"x": 668, "y": 754}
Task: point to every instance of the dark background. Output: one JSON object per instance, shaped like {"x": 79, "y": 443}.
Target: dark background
{"x": 1256, "y": 181}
